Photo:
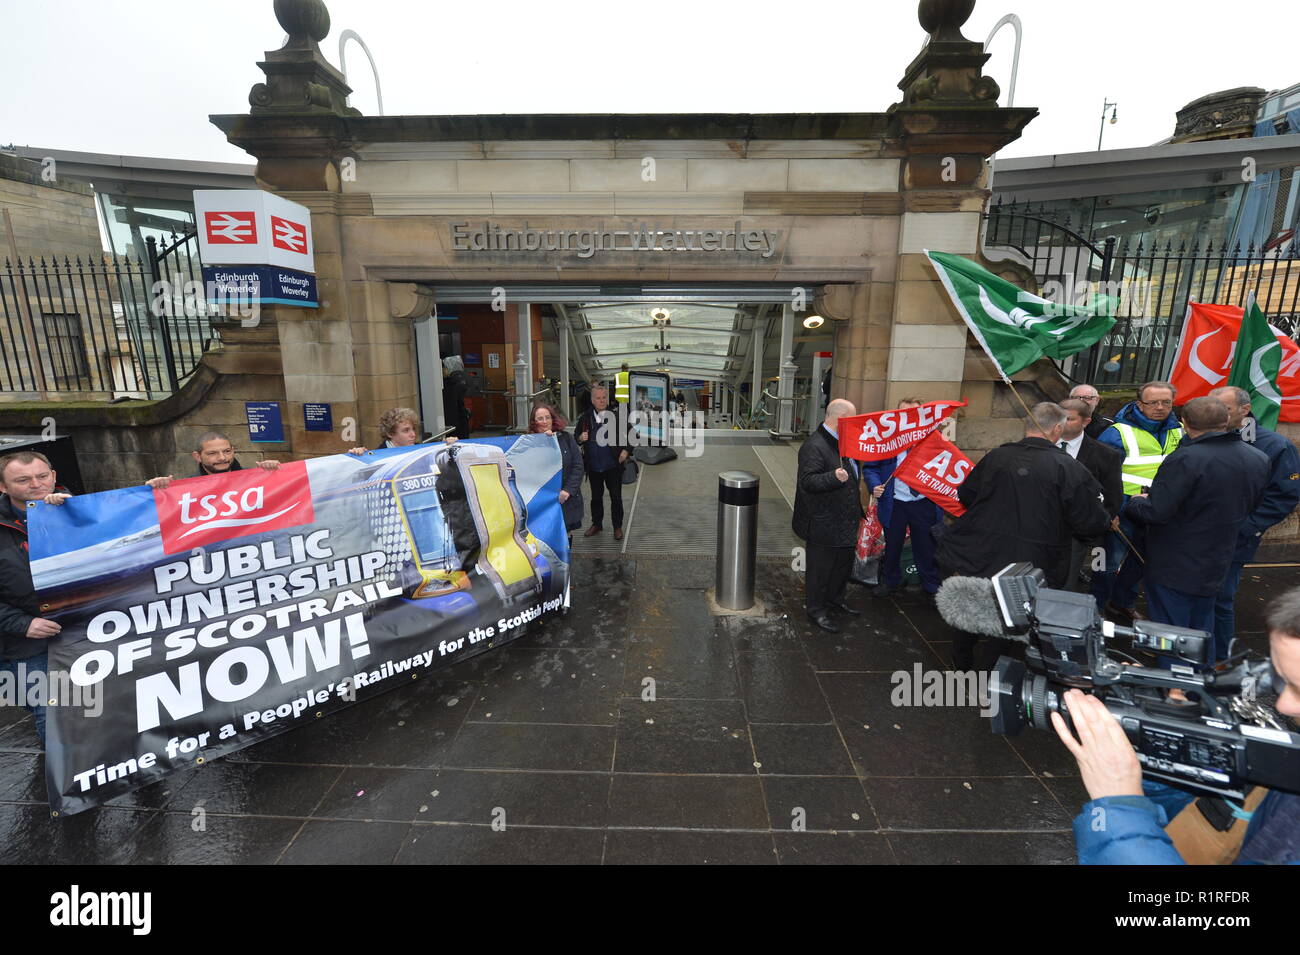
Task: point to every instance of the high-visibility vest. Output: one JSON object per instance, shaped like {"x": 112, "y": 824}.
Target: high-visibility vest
{"x": 621, "y": 389}
{"x": 1143, "y": 455}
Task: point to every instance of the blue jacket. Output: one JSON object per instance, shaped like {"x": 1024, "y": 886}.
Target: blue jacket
{"x": 1129, "y": 830}
{"x": 1280, "y": 496}
{"x": 876, "y": 473}
{"x": 1130, "y": 414}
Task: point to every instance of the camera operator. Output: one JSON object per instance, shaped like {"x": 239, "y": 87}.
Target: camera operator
{"x": 1122, "y": 826}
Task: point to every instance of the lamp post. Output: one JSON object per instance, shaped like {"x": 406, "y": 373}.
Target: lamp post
{"x": 1014, "y": 20}
{"x": 1113, "y": 108}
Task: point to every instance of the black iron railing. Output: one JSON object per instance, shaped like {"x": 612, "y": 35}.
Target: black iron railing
{"x": 102, "y": 328}
{"x": 1153, "y": 285}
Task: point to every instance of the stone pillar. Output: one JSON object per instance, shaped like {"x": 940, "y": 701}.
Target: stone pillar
{"x": 428, "y": 358}
{"x": 947, "y": 126}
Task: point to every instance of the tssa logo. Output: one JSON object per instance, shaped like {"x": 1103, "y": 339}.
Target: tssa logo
{"x": 205, "y": 510}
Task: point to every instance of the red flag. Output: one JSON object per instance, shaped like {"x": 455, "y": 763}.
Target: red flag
{"x": 881, "y": 435}
{"x": 936, "y": 468}
{"x": 1205, "y": 356}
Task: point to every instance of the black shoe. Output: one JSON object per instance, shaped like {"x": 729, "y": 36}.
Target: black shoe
{"x": 823, "y": 622}
{"x": 884, "y": 590}
{"x": 845, "y": 608}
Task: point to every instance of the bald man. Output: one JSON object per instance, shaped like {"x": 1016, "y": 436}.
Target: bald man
{"x": 827, "y": 512}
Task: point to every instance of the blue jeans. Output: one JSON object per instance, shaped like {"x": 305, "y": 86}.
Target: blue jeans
{"x": 1167, "y": 605}
{"x": 1225, "y": 613}
{"x": 38, "y": 664}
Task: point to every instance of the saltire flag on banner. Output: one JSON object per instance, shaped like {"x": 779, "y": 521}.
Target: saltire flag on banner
{"x": 1256, "y": 363}
{"x": 882, "y": 434}
{"x": 207, "y": 616}
{"x": 1015, "y": 327}
{"x": 936, "y": 468}
{"x": 1207, "y": 349}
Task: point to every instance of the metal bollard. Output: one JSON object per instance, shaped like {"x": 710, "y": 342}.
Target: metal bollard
{"x": 737, "y": 539}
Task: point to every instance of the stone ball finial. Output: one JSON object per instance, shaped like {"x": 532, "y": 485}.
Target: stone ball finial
{"x": 303, "y": 18}
{"x": 943, "y": 19}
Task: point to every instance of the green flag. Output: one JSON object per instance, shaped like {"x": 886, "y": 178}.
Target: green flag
{"x": 1255, "y": 364}
{"x": 1015, "y": 327}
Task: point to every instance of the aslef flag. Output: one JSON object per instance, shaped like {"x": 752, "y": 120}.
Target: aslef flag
{"x": 1015, "y": 327}
{"x": 1206, "y": 352}
{"x": 882, "y": 434}
{"x": 936, "y": 468}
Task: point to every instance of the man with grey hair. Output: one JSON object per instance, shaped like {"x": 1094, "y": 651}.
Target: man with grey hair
{"x": 1024, "y": 501}
{"x": 1099, "y": 422}
{"x": 827, "y": 514}
{"x": 1146, "y": 432}
{"x": 1278, "y": 501}
{"x": 1194, "y": 511}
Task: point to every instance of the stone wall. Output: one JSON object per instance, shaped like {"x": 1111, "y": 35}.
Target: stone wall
{"x": 50, "y": 217}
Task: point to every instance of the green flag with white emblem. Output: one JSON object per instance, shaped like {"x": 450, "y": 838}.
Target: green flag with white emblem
{"x": 1255, "y": 364}
{"x": 1016, "y": 327}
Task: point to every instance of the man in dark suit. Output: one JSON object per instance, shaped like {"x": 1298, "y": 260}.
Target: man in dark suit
{"x": 604, "y": 451}
{"x": 827, "y": 513}
{"x": 1105, "y": 464}
{"x": 1099, "y": 422}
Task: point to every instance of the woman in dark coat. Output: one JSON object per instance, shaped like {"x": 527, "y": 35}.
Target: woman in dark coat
{"x": 546, "y": 420}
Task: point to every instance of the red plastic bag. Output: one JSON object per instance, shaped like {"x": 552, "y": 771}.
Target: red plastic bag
{"x": 871, "y": 536}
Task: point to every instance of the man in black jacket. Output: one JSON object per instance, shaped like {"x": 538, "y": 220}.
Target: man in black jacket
{"x": 604, "y": 452}
{"x": 827, "y": 514}
{"x": 1279, "y": 499}
{"x": 25, "y": 476}
{"x": 1105, "y": 464}
{"x": 1024, "y": 501}
{"x": 1202, "y": 494}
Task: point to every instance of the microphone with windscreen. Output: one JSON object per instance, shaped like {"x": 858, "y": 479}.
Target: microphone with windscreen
{"x": 969, "y": 604}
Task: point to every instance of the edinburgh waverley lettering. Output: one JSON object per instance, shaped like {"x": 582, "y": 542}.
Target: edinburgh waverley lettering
{"x": 490, "y": 237}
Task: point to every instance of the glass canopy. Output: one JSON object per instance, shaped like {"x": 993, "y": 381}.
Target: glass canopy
{"x": 673, "y": 336}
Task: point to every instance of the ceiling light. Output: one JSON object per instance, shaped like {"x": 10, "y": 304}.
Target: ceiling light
{"x": 813, "y": 321}
{"x": 659, "y": 314}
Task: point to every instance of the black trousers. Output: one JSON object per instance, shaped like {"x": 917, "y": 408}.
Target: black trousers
{"x": 826, "y": 576}
{"x": 600, "y": 480}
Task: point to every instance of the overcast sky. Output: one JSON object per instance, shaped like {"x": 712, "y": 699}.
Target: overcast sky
{"x": 139, "y": 77}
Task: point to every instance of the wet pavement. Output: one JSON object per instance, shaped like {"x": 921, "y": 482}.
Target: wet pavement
{"x": 638, "y": 729}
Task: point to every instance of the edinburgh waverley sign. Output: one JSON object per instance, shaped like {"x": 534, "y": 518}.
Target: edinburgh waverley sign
{"x": 490, "y": 237}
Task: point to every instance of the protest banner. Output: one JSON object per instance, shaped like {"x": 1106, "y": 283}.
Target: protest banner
{"x": 936, "y": 468}
{"x": 225, "y": 609}
{"x": 882, "y": 434}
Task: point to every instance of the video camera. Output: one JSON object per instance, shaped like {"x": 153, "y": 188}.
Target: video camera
{"x": 1221, "y": 742}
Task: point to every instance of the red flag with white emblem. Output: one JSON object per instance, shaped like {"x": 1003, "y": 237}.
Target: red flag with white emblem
{"x": 1205, "y": 356}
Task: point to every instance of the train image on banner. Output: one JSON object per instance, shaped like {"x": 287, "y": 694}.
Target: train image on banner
{"x": 459, "y": 514}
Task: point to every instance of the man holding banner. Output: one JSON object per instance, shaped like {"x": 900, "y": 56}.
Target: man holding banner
{"x": 901, "y": 508}
{"x": 827, "y": 512}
